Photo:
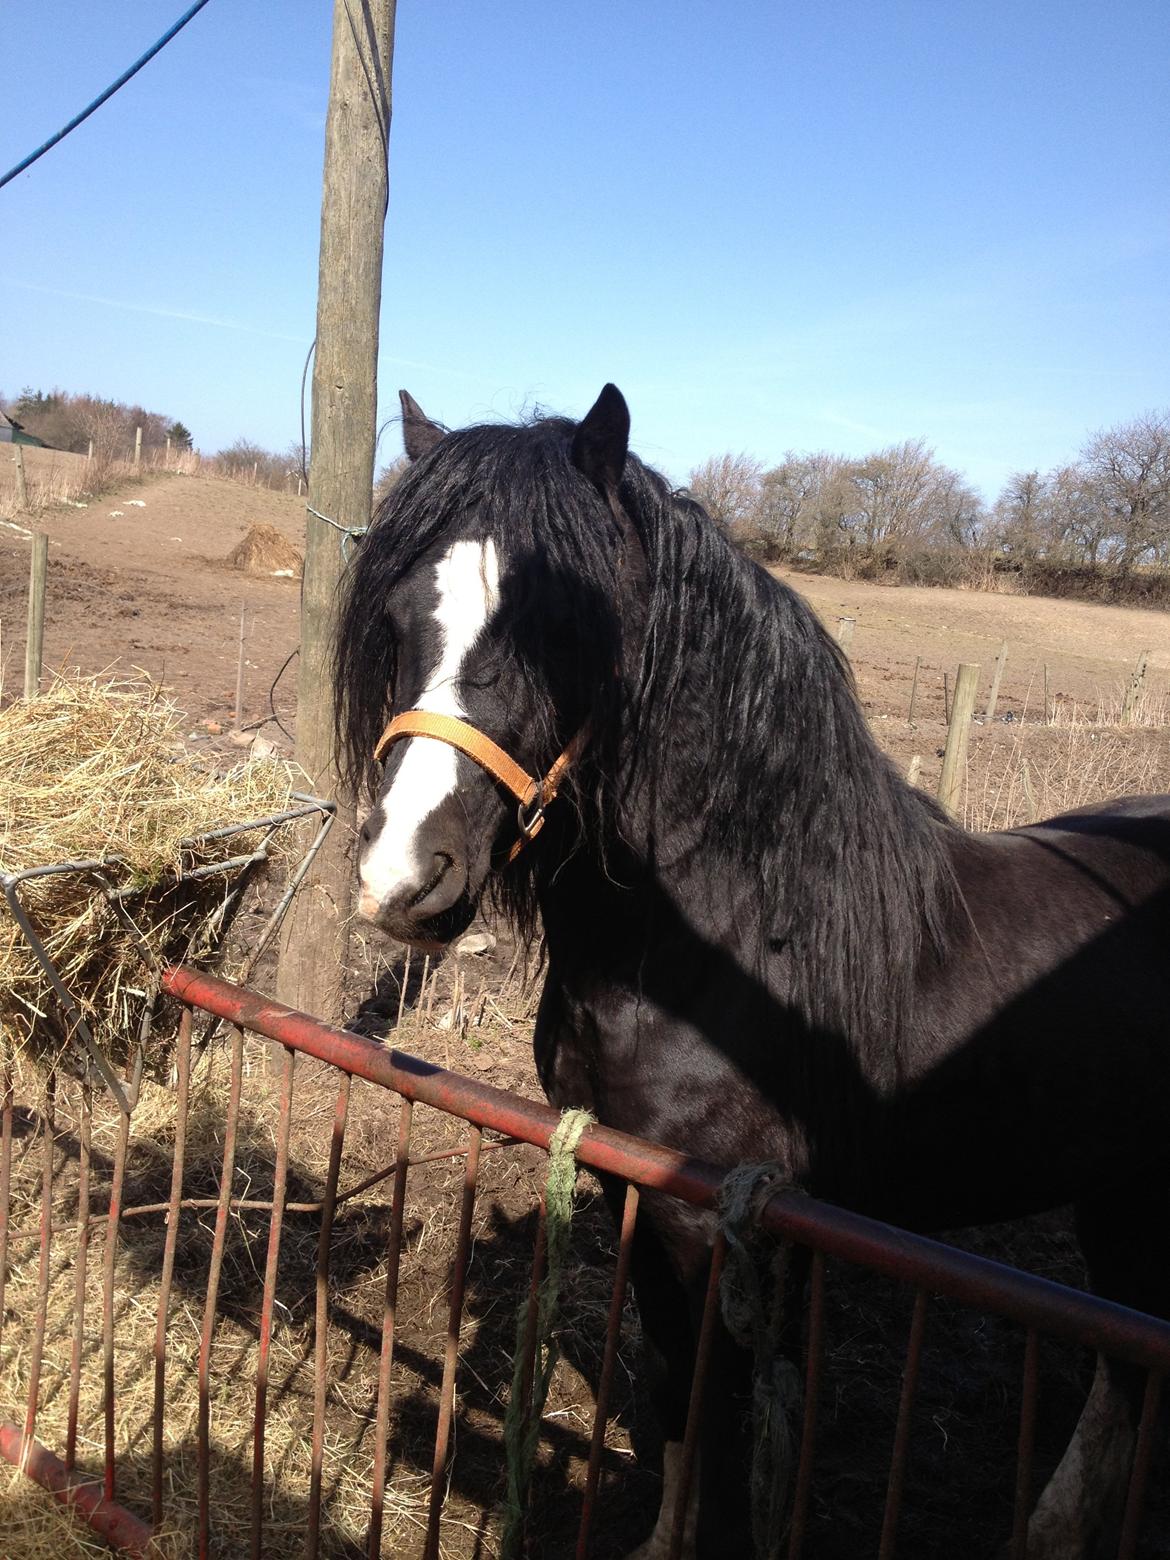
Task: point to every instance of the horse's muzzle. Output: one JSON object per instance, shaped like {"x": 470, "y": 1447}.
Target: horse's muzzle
{"x": 428, "y": 913}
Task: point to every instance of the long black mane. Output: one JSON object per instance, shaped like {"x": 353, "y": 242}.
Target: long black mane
{"x": 732, "y": 729}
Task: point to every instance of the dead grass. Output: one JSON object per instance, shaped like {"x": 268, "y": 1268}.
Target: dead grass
{"x": 265, "y": 551}
{"x": 1019, "y": 777}
{"x": 58, "y": 479}
{"x": 94, "y": 770}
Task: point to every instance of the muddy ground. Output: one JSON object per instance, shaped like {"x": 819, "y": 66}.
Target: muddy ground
{"x": 140, "y": 580}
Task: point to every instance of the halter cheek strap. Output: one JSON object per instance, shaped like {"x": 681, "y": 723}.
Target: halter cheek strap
{"x": 533, "y": 796}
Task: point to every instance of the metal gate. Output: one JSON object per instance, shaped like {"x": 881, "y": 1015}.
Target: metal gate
{"x": 119, "y": 1475}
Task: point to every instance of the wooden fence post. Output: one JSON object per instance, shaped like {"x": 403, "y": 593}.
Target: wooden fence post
{"x": 37, "y": 581}
{"x": 997, "y": 677}
{"x": 315, "y": 933}
{"x": 1133, "y": 690}
{"x": 950, "y": 785}
{"x": 915, "y": 769}
{"x": 21, "y": 484}
{"x": 137, "y": 448}
{"x": 845, "y": 627}
{"x": 913, "y": 691}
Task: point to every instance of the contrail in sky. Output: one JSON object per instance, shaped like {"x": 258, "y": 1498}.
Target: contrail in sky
{"x": 159, "y": 313}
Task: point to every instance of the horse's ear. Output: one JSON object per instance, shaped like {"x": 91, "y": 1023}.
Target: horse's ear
{"x": 419, "y": 433}
{"x": 601, "y": 441}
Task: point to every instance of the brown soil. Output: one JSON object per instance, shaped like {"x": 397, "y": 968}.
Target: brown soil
{"x": 140, "y": 579}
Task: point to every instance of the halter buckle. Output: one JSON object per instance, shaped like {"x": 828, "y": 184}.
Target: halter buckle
{"x": 530, "y": 822}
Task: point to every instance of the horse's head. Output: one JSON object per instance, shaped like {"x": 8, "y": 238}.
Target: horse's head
{"x": 484, "y": 593}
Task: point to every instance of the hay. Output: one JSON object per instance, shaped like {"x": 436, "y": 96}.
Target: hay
{"x": 265, "y": 551}
{"x": 95, "y": 771}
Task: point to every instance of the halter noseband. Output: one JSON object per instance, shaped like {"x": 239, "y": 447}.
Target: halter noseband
{"x": 533, "y": 796}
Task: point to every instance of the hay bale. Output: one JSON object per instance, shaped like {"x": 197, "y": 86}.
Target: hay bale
{"x": 265, "y": 551}
{"x": 96, "y": 771}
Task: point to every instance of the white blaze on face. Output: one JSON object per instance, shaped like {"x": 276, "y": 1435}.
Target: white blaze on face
{"x": 467, "y": 579}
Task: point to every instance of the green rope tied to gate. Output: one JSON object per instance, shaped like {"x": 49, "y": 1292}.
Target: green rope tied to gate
{"x": 522, "y": 1421}
{"x": 751, "y": 1294}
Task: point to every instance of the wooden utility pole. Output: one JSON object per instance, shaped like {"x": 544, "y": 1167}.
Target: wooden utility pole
{"x": 315, "y": 937}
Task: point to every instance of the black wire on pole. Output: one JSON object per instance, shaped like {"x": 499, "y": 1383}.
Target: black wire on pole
{"x": 106, "y": 95}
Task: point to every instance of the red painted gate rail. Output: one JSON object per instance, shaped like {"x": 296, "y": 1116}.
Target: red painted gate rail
{"x": 927, "y": 1266}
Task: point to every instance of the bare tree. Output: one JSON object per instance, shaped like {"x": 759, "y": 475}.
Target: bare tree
{"x": 801, "y": 500}
{"x": 1020, "y": 515}
{"x": 1128, "y": 470}
{"x": 728, "y": 487}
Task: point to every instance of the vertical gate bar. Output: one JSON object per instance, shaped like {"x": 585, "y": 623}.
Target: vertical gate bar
{"x": 5, "y": 1179}
{"x": 321, "y": 1315}
{"x": 1135, "y": 1499}
{"x": 218, "y": 1241}
{"x": 40, "y": 1320}
{"x": 613, "y": 1330}
{"x": 529, "y": 1341}
{"x": 174, "y": 1214}
{"x": 814, "y": 1351}
{"x": 1026, "y": 1445}
{"x": 695, "y": 1406}
{"x": 902, "y": 1432}
{"x": 271, "y": 1266}
{"x": 109, "y": 1260}
{"x": 451, "y": 1355}
{"x": 81, "y": 1265}
{"x": 389, "y": 1317}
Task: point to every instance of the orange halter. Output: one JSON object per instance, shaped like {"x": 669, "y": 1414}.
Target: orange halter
{"x": 489, "y": 756}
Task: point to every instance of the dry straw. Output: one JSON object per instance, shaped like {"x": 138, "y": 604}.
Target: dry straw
{"x": 95, "y": 770}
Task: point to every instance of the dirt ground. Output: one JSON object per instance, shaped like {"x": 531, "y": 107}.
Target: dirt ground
{"x": 138, "y": 580}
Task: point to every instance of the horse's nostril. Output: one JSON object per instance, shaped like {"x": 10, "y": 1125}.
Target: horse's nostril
{"x": 443, "y": 865}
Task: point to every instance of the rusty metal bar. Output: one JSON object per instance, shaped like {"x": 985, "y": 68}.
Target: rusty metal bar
{"x": 613, "y": 1330}
{"x": 37, "y": 1349}
{"x": 814, "y": 1358}
{"x": 902, "y": 1431}
{"x": 110, "y": 1521}
{"x": 321, "y": 1318}
{"x": 5, "y": 1175}
{"x": 451, "y": 1353}
{"x": 1135, "y": 1499}
{"x": 183, "y": 1066}
{"x": 532, "y": 1310}
{"x": 695, "y": 1406}
{"x": 81, "y": 1265}
{"x": 271, "y": 1266}
{"x": 1026, "y": 1446}
{"x": 109, "y": 1261}
{"x": 264, "y": 1205}
{"x": 389, "y": 1319}
{"x": 913, "y": 1259}
{"x": 218, "y": 1241}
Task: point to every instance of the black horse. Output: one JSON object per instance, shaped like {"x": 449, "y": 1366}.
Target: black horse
{"x": 761, "y": 943}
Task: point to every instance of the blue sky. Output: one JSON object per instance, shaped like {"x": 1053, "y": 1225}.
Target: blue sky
{"x": 774, "y": 225}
